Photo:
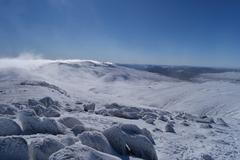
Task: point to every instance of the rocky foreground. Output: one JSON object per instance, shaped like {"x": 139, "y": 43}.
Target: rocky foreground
{"x": 37, "y": 129}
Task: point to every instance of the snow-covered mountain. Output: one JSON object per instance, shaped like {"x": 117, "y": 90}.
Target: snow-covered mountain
{"x": 100, "y": 94}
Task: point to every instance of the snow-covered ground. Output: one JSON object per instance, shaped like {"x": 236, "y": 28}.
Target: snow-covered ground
{"x": 75, "y": 83}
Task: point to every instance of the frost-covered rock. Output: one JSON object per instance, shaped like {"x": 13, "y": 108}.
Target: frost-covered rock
{"x": 51, "y": 112}
{"x": 70, "y": 122}
{"x": 69, "y": 140}
{"x": 207, "y": 157}
{"x": 89, "y": 107}
{"x": 150, "y": 121}
{"x": 169, "y": 128}
{"x": 33, "y": 102}
{"x": 206, "y": 126}
{"x": 123, "y": 114}
{"x": 13, "y": 148}
{"x": 185, "y": 123}
{"x": 133, "y": 129}
{"x": 129, "y": 140}
{"x": 32, "y": 124}
{"x": 39, "y": 109}
{"x": 50, "y": 126}
{"x": 41, "y": 149}
{"x": 163, "y": 118}
{"x": 149, "y": 115}
{"x": 148, "y": 134}
{"x": 47, "y": 101}
{"x": 221, "y": 122}
{"x": 205, "y": 120}
{"x": 9, "y": 127}
{"x": 6, "y": 109}
{"x": 103, "y": 112}
{"x": 96, "y": 140}
{"x": 78, "y": 129}
{"x": 80, "y": 152}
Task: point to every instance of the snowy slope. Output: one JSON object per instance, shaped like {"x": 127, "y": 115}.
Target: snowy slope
{"x": 76, "y": 82}
{"x": 107, "y": 83}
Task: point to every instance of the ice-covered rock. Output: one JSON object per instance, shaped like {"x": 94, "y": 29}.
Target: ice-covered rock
{"x": 150, "y": 121}
{"x": 89, "y": 107}
{"x": 50, "y": 126}
{"x": 70, "y": 122}
{"x": 78, "y": 129}
{"x": 149, "y": 115}
{"x": 169, "y": 128}
{"x": 51, "y": 112}
{"x": 221, "y": 122}
{"x": 39, "y": 109}
{"x": 31, "y": 124}
{"x": 129, "y": 140}
{"x": 6, "y": 109}
{"x": 185, "y": 123}
{"x": 33, "y": 102}
{"x": 163, "y": 118}
{"x": 47, "y": 101}
{"x": 207, "y": 157}
{"x": 205, "y": 120}
{"x": 81, "y": 152}
{"x": 148, "y": 134}
{"x": 69, "y": 140}
{"x": 9, "y": 127}
{"x": 206, "y": 126}
{"x": 96, "y": 140}
{"x": 13, "y": 148}
{"x": 41, "y": 149}
{"x": 123, "y": 114}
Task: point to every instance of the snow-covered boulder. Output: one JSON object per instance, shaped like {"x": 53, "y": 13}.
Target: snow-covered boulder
{"x": 221, "y": 122}
{"x": 6, "y": 109}
{"x": 51, "y": 112}
{"x": 206, "y": 126}
{"x": 41, "y": 149}
{"x": 96, "y": 140}
{"x": 150, "y": 121}
{"x": 149, "y": 115}
{"x": 129, "y": 140}
{"x": 70, "y": 122}
{"x": 47, "y": 101}
{"x": 123, "y": 114}
{"x": 50, "y": 126}
{"x": 133, "y": 129}
{"x": 81, "y": 152}
{"x": 13, "y": 148}
{"x": 9, "y": 127}
{"x": 169, "y": 128}
{"x": 33, "y": 102}
{"x": 78, "y": 129}
{"x": 163, "y": 118}
{"x": 31, "y": 124}
{"x": 148, "y": 134}
{"x": 89, "y": 107}
{"x": 69, "y": 140}
{"x": 39, "y": 109}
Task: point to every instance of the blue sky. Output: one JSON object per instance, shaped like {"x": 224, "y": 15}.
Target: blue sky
{"x": 178, "y": 32}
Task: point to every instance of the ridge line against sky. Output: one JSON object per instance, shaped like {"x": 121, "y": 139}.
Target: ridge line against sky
{"x": 173, "y": 32}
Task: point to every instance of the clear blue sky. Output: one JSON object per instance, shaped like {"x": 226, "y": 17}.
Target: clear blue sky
{"x": 179, "y": 32}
